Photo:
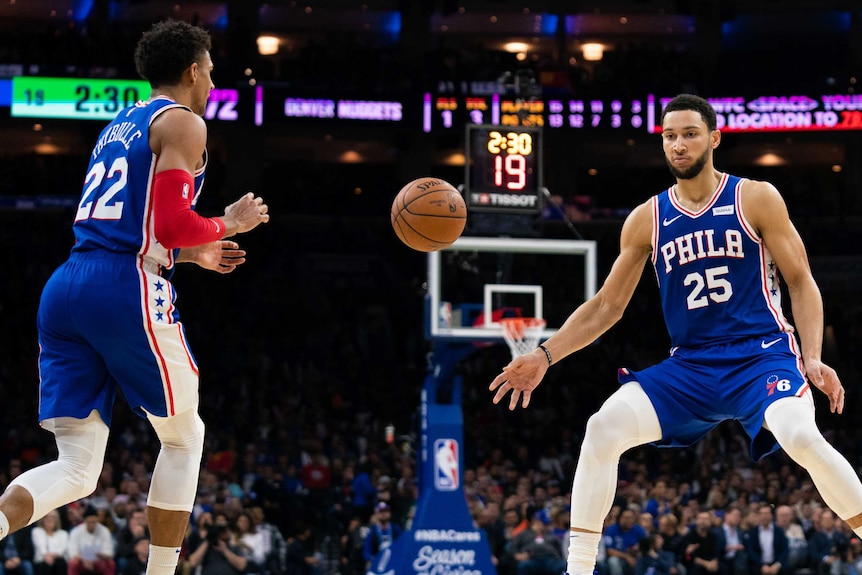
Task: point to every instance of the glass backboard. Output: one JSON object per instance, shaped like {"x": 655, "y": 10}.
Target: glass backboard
{"x": 478, "y": 280}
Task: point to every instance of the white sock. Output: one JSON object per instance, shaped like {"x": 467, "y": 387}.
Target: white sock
{"x": 163, "y": 560}
{"x": 582, "y": 552}
{"x": 4, "y": 525}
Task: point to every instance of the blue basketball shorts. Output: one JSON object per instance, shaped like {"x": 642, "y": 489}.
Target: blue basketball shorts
{"x": 106, "y": 322}
{"x": 696, "y": 389}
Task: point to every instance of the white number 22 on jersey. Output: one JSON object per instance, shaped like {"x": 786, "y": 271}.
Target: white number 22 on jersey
{"x": 718, "y": 288}
{"x": 102, "y": 211}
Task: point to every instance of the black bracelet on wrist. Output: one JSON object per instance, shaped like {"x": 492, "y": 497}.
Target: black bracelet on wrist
{"x": 547, "y": 354}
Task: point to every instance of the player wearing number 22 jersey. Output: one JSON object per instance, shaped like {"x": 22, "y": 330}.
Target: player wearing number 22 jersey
{"x": 120, "y": 269}
{"x": 733, "y": 352}
{"x": 107, "y": 321}
{"x": 115, "y": 212}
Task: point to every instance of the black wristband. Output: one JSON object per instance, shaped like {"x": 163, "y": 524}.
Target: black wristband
{"x": 547, "y": 354}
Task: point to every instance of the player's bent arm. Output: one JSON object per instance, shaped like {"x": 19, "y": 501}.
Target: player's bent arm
{"x": 765, "y": 209}
{"x": 178, "y": 138}
{"x": 595, "y": 316}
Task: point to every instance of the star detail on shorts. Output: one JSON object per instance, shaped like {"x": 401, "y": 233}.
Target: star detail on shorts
{"x": 159, "y": 285}
{"x": 160, "y": 316}
{"x": 160, "y": 302}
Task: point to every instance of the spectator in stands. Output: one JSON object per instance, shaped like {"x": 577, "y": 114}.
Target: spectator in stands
{"x": 853, "y": 561}
{"x": 364, "y": 493}
{"x": 251, "y": 542}
{"x": 352, "y": 543}
{"x": 536, "y": 550}
{"x": 798, "y": 556}
{"x": 91, "y": 547}
{"x": 382, "y": 532}
{"x": 561, "y": 520}
{"x": 621, "y": 544}
{"x": 701, "y": 546}
{"x": 673, "y": 539}
{"x": 827, "y": 545}
{"x": 267, "y": 488}
{"x": 273, "y": 542}
{"x": 733, "y": 559}
{"x": 647, "y": 521}
{"x": 126, "y": 538}
{"x": 50, "y": 544}
{"x": 136, "y": 564}
{"x": 316, "y": 475}
{"x": 217, "y": 554}
{"x": 767, "y": 545}
{"x": 659, "y": 504}
{"x": 488, "y": 521}
{"x": 13, "y": 555}
{"x": 653, "y": 560}
{"x": 301, "y": 558}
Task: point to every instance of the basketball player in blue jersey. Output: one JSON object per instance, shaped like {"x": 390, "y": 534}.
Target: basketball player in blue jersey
{"x": 107, "y": 319}
{"x": 717, "y": 243}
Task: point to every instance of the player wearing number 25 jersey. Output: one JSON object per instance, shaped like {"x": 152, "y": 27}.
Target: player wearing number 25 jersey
{"x": 718, "y": 244}
{"x": 718, "y": 282}
{"x": 721, "y": 301}
{"x": 107, "y": 320}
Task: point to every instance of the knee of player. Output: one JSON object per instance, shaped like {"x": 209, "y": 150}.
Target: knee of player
{"x": 83, "y": 477}
{"x": 183, "y": 432}
{"x": 799, "y": 441}
{"x": 602, "y": 432}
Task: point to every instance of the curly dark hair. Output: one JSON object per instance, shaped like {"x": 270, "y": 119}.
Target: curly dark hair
{"x": 167, "y": 49}
{"x": 695, "y": 104}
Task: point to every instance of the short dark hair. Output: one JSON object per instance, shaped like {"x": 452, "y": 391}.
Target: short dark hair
{"x": 695, "y": 104}
{"x": 167, "y": 49}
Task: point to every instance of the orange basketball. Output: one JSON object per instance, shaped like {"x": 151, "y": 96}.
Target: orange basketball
{"x": 428, "y": 214}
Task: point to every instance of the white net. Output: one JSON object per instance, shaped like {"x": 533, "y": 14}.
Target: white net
{"x": 522, "y": 334}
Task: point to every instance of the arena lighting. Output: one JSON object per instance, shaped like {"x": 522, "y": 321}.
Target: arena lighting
{"x": 770, "y": 159}
{"x": 267, "y": 45}
{"x": 351, "y": 157}
{"x": 515, "y": 47}
{"x": 592, "y": 51}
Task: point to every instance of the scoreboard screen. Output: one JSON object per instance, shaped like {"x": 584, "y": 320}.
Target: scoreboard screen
{"x": 504, "y": 168}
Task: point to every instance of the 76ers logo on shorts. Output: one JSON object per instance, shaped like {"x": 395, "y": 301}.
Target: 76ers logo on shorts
{"x": 446, "y": 472}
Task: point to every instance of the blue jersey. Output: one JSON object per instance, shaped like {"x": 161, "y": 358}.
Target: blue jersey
{"x": 717, "y": 280}
{"x": 115, "y": 213}
{"x": 107, "y": 319}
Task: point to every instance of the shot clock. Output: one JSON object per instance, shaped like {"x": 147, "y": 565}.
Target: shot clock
{"x": 504, "y": 168}
{"x": 74, "y": 98}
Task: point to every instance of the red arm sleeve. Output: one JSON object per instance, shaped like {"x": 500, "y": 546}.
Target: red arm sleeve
{"x": 176, "y": 225}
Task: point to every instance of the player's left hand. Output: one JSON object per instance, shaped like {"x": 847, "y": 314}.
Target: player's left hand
{"x": 521, "y": 377}
{"x": 220, "y": 256}
{"x": 826, "y": 380}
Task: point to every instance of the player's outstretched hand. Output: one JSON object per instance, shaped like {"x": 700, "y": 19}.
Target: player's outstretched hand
{"x": 521, "y": 377}
{"x": 245, "y": 214}
{"x": 220, "y": 256}
{"x": 826, "y": 380}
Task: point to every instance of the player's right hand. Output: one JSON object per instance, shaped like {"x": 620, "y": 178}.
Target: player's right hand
{"x": 245, "y": 214}
{"x": 826, "y": 380}
{"x": 521, "y": 377}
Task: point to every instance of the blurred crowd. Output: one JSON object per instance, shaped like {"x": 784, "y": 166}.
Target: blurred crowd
{"x": 329, "y": 510}
{"x": 315, "y": 346}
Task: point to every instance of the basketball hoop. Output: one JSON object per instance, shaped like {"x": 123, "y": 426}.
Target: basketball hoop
{"x": 522, "y": 334}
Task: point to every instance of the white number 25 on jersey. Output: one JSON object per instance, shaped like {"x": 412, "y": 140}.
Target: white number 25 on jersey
{"x": 718, "y": 288}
